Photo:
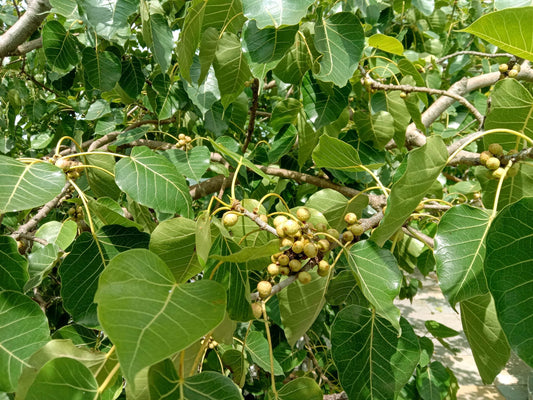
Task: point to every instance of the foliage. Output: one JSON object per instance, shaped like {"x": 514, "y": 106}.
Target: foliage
{"x": 220, "y": 199}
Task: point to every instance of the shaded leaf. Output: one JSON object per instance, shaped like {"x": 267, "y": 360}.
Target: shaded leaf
{"x": 158, "y": 37}
{"x": 103, "y": 69}
{"x": 13, "y": 267}
{"x": 377, "y": 128}
{"x": 192, "y": 163}
{"x": 301, "y": 388}
{"x": 343, "y": 289}
{"x": 59, "y": 46}
{"x": 132, "y": 78}
{"x": 259, "y": 350}
{"x": 40, "y": 262}
{"x": 334, "y": 153}
{"x": 115, "y": 239}
{"x": 268, "y": 44}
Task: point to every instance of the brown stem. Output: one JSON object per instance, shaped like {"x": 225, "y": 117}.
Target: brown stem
{"x": 253, "y": 110}
{"x": 473, "y": 53}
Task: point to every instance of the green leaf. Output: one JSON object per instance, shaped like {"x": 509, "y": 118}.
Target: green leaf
{"x": 224, "y": 16}
{"x": 231, "y": 68}
{"x": 378, "y": 276}
{"x": 174, "y": 241}
{"x": 423, "y": 167}
{"x": 65, "y": 8}
{"x": 460, "y": 252}
{"x": 62, "y": 234}
{"x": 102, "y": 69}
{"x": 23, "y": 330}
{"x": 434, "y": 381}
{"x": 297, "y": 61}
{"x": 426, "y": 7}
{"x": 79, "y": 273}
{"x": 147, "y": 315}
{"x": 192, "y": 163}
{"x": 102, "y": 183}
{"x": 98, "y": 109}
{"x": 13, "y": 267}
{"x": 397, "y": 108}
{"x": 485, "y": 335}
{"x": 259, "y": 350}
{"x": 203, "y": 236}
{"x": 509, "y": 242}
{"x": 301, "y": 388}
{"x": 300, "y": 305}
{"x": 268, "y": 44}
{"x": 386, "y": 43}
{"x": 208, "y": 48}
{"x": 104, "y": 210}
{"x": 501, "y": 27}
{"x": 158, "y": 37}
{"x": 63, "y": 378}
{"x": 40, "y": 262}
{"x": 340, "y": 39}
{"x": 377, "y": 128}
{"x": 151, "y": 180}
{"x": 59, "y": 46}
{"x": 110, "y": 18}
{"x": 439, "y": 330}
{"x": 132, "y": 78}
{"x": 285, "y": 112}
{"x": 24, "y": 186}
{"x": 115, "y": 239}
{"x": 234, "y": 360}
{"x": 323, "y": 103}
{"x": 334, "y": 153}
{"x": 189, "y": 37}
{"x": 372, "y": 360}
{"x": 343, "y": 289}
{"x": 250, "y": 253}
{"x": 276, "y": 13}
{"x": 168, "y": 96}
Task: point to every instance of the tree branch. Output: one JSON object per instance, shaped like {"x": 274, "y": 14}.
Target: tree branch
{"x": 473, "y": 53}
{"x": 24, "y": 27}
{"x": 253, "y": 110}
{"x": 27, "y": 47}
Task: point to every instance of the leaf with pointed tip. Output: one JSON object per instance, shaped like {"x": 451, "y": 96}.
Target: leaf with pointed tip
{"x": 300, "y": 305}
{"x": 189, "y": 37}
{"x": 59, "y": 46}
{"x": 276, "y": 12}
{"x": 334, "y": 153}
{"x": 132, "y": 78}
{"x": 192, "y": 163}
{"x": 23, "y": 330}
{"x": 109, "y": 18}
{"x": 147, "y": 315}
{"x": 301, "y": 388}
{"x": 102, "y": 69}
{"x": 297, "y": 60}
{"x": 509, "y": 243}
{"x": 158, "y": 37}
{"x": 500, "y": 28}
{"x": 167, "y": 96}
{"x": 268, "y": 44}
{"x": 378, "y": 276}
{"x": 40, "y": 262}
{"x": 386, "y": 43}
{"x": 24, "y": 186}
{"x": 152, "y": 180}
{"x": 340, "y": 39}
{"x": 460, "y": 252}
{"x": 259, "y": 350}
{"x": 372, "y": 360}
{"x": 485, "y": 335}
{"x": 377, "y": 128}
{"x": 13, "y": 267}
{"x": 424, "y": 165}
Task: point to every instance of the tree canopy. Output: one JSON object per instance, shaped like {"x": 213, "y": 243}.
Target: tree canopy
{"x": 227, "y": 198}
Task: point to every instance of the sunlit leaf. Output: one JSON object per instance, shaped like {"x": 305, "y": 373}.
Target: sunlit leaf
{"x": 276, "y": 12}
{"x": 386, "y": 43}
{"x": 257, "y": 346}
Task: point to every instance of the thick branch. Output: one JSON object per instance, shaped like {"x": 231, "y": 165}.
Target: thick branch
{"x": 27, "y": 47}
{"x": 24, "y": 27}
{"x": 211, "y": 185}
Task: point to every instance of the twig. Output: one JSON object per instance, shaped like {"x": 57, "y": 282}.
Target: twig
{"x": 28, "y": 236}
{"x": 209, "y": 186}
{"x": 428, "y": 241}
{"x": 473, "y": 53}
{"x": 253, "y": 110}
{"x": 336, "y": 396}
{"x": 315, "y": 361}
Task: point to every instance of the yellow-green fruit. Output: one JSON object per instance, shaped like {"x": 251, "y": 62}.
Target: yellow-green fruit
{"x": 181, "y": 136}
{"x": 303, "y": 214}
{"x": 257, "y": 310}
{"x": 73, "y": 175}
{"x": 280, "y": 231}
{"x": 323, "y": 268}
{"x": 298, "y": 247}
{"x": 286, "y": 242}
{"x": 347, "y": 236}
{"x": 503, "y": 68}
{"x": 484, "y": 156}
{"x": 333, "y": 233}
{"x": 516, "y": 67}
{"x": 512, "y": 151}
{"x": 496, "y": 149}
{"x": 513, "y": 171}
{"x": 273, "y": 269}
{"x": 279, "y": 220}
{"x": 350, "y": 218}
{"x": 283, "y": 259}
{"x": 230, "y": 219}
{"x": 323, "y": 245}
{"x": 274, "y": 257}
{"x": 512, "y": 73}
{"x": 285, "y": 271}
{"x": 304, "y": 277}
{"x": 291, "y": 227}
{"x": 356, "y": 229}
{"x": 264, "y": 288}
{"x": 310, "y": 250}
{"x": 493, "y": 163}
{"x": 63, "y": 163}
{"x": 321, "y": 227}
{"x": 403, "y": 95}
{"x": 295, "y": 265}
{"x": 498, "y": 173}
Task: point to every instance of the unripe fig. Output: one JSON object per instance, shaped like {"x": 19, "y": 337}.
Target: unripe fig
{"x": 303, "y": 214}
{"x": 295, "y": 265}
{"x": 496, "y": 149}
{"x": 286, "y": 242}
{"x": 273, "y": 269}
{"x": 323, "y": 245}
{"x": 347, "y": 236}
{"x": 323, "y": 268}
{"x": 63, "y": 163}
{"x": 274, "y": 257}
{"x": 230, "y": 219}
{"x": 283, "y": 259}
{"x": 264, "y": 288}
{"x": 493, "y": 163}
{"x": 516, "y": 67}
{"x": 356, "y": 229}
{"x": 512, "y": 151}
{"x": 280, "y": 231}
{"x": 512, "y": 73}
{"x": 350, "y": 218}
{"x": 257, "y": 310}
{"x": 181, "y": 136}
{"x": 321, "y": 227}
{"x": 403, "y": 95}
{"x": 298, "y": 247}
{"x": 310, "y": 250}
{"x": 334, "y": 233}
{"x": 285, "y": 271}
{"x": 304, "y": 277}
{"x": 498, "y": 173}
{"x": 513, "y": 171}
{"x": 291, "y": 227}
{"x": 279, "y": 220}
{"x": 503, "y": 68}
{"x": 71, "y": 211}
{"x": 484, "y": 156}
{"x": 73, "y": 175}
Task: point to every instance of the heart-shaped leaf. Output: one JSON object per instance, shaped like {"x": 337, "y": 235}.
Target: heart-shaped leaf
{"x": 147, "y": 315}
{"x": 59, "y": 46}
